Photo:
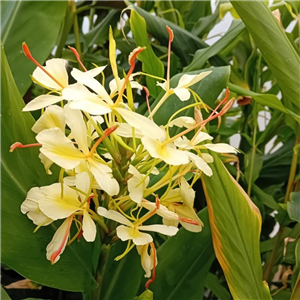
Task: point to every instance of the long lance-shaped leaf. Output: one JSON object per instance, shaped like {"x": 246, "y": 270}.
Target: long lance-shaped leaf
{"x": 21, "y": 249}
{"x": 278, "y": 52}
{"x": 235, "y": 225}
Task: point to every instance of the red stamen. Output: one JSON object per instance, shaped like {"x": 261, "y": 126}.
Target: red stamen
{"x": 78, "y": 57}
{"x": 171, "y": 36}
{"x": 157, "y": 202}
{"x": 154, "y": 266}
{"x": 222, "y": 102}
{"x": 57, "y": 252}
{"x": 190, "y": 221}
{"x": 106, "y": 133}
{"x": 147, "y": 99}
{"x": 20, "y": 145}
{"x": 29, "y": 56}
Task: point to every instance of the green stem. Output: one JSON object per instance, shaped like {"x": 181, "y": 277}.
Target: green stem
{"x": 160, "y": 103}
{"x": 252, "y": 160}
{"x": 77, "y": 38}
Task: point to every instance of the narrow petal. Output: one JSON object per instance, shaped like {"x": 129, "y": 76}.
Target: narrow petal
{"x": 146, "y": 126}
{"x": 163, "y": 229}
{"x": 200, "y": 163}
{"x": 96, "y": 71}
{"x": 139, "y": 238}
{"x": 57, "y": 68}
{"x": 186, "y": 122}
{"x": 187, "y": 193}
{"x": 74, "y": 119}
{"x": 126, "y": 130}
{"x": 104, "y": 178}
{"x": 161, "y": 211}
{"x": 59, "y": 241}
{"x": 188, "y": 213}
{"x": 199, "y": 77}
{"x": 146, "y": 260}
{"x": 46, "y": 162}
{"x": 92, "y": 83}
{"x": 182, "y": 93}
{"x": 207, "y": 157}
{"x": 41, "y": 102}
{"x": 58, "y": 148}
{"x": 88, "y": 227}
{"x": 114, "y": 215}
{"x": 200, "y": 137}
{"x": 183, "y": 142}
{"x": 82, "y": 182}
{"x": 162, "y": 85}
{"x": 221, "y": 148}
{"x": 52, "y": 117}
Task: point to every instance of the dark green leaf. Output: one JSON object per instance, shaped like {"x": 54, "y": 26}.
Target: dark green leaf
{"x": 35, "y": 22}
{"x": 293, "y": 206}
{"x": 212, "y": 283}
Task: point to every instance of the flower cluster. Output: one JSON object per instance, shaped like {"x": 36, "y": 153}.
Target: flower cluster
{"x": 113, "y": 161}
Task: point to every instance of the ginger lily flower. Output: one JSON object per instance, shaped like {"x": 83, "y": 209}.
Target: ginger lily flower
{"x": 181, "y": 201}
{"x": 53, "y": 77}
{"x": 132, "y": 231}
{"x": 146, "y": 259}
{"x": 61, "y": 150}
{"x": 182, "y": 88}
{"x": 60, "y": 201}
{"x": 30, "y": 206}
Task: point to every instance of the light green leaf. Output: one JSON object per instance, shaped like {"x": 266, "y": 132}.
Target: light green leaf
{"x": 23, "y": 250}
{"x": 35, "y": 22}
{"x": 151, "y": 64}
{"x": 275, "y": 47}
{"x": 231, "y": 214}
{"x": 147, "y": 295}
{"x": 293, "y": 206}
{"x": 4, "y": 295}
{"x": 253, "y": 165}
{"x": 225, "y": 8}
{"x": 264, "y": 198}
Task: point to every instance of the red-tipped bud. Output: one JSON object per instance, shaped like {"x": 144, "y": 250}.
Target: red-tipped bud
{"x": 77, "y": 57}
{"x": 109, "y": 130}
{"x": 132, "y": 56}
{"x": 157, "y": 203}
{"x": 20, "y": 145}
{"x": 26, "y": 51}
{"x": 171, "y": 35}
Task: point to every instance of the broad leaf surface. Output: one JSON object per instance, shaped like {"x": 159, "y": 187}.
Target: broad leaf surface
{"x": 38, "y": 24}
{"x": 23, "y": 250}
{"x": 232, "y": 214}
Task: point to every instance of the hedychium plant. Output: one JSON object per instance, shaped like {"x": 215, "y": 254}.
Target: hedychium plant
{"x": 108, "y": 154}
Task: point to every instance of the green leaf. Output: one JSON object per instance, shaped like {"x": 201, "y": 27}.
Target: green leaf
{"x": 4, "y": 295}
{"x": 184, "y": 43}
{"x": 23, "y": 250}
{"x": 264, "y": 198}
{"x": 212, "y": 283}
{"x": 38, "y": 24}
{"x": 147, "y": 295}
{"x": 202, "y": 55}
{"x": 296, "y": 275}
{"x": 231, "y": 214}
{"x": 122, "y": 278}
{"x": 183, "y": 264}
{"x": 293, "y": 206}
{"x": 275, "y": 47}
{"x": 99, "y": 34}
{"x": 253, "y": 165}
{"x": 151, "y": 64}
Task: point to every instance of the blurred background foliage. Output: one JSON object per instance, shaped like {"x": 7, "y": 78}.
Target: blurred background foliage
{"x": 257, "y": 58}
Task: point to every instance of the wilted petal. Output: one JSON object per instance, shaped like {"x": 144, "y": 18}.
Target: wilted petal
{"x": 57, "y": 147}
{"x": 41, "y": 102}
{"x": 183, "y": 142}
{"x": 161, "y": 211}
{"x": 188, "y": 213}
{"x": 187, "y": 193}
{"x": 88, "y": 227}
{"x": 114, "y": 215}
{"x": 59, "y": 241}
{"x": 221, "y": 148}
{"x": 147, "y": 262}
{"x": 57, "y": 68}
